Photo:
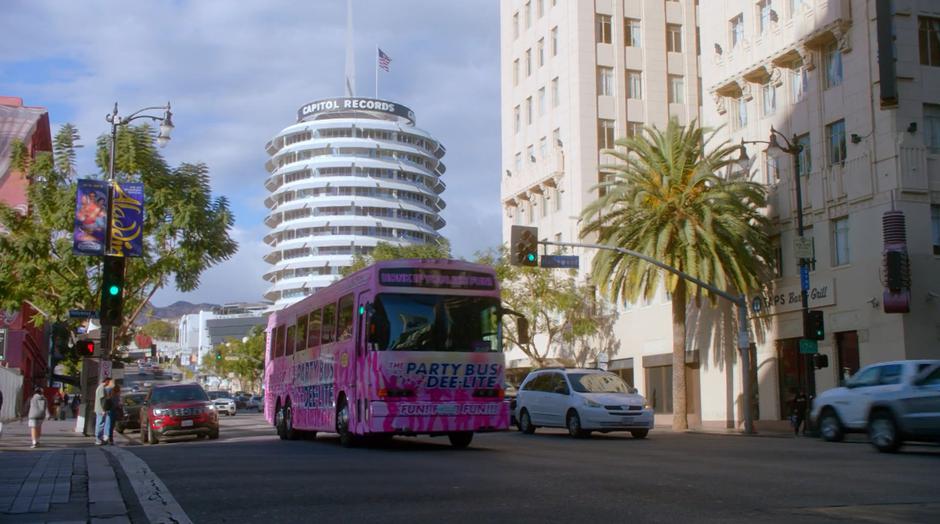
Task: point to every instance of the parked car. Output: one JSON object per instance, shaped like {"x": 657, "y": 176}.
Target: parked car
{"x": 911, "y": 412}
{"x": 255, "y": 402}
{"x": 177, "y": 409}
{"x": 581, "y": 400}
{"x": 177, "y": 376}
{"x": 510, "y": 391}
{"x": 131, "y": 420}
{"x": 225, "y": 405}
{"x": 845, "y": 409}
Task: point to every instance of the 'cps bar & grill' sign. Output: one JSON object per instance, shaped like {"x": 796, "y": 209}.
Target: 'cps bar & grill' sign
{"x": 436, "y": 278}
{"x": 342, "y": 105}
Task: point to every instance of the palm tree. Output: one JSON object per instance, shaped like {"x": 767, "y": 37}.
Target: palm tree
{"x": 666, "y": 200}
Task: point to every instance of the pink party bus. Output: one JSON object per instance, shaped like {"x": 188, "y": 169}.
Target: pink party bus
{"x": 403, "y": 347}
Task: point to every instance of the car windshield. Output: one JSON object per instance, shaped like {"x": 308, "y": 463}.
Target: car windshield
{"x": 132, "y": 400}
{"x": 180, "y": 394}
{"x": 597, "y": 383}
{"x": 405, "y": 322}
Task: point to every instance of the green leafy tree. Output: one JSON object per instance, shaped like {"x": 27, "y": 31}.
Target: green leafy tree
{"x": 665, "y": 200}
{"x": 186, "y": 230}
{"x": 160, "y": 330}
{"x": 242, "y": 358}
{"x": 386, "y": 251}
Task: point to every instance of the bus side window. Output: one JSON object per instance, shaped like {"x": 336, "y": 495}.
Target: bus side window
{"x": 278, "y": 349}
{"x": 290, "y": 340}
{"x": 345, "y": 324}
{"x": 301, "y": 334}
{"x": 329, "y": 324}
{"x": 313, "y": 329}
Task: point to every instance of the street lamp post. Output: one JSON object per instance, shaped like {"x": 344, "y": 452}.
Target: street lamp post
{"x": 793, "y": 148}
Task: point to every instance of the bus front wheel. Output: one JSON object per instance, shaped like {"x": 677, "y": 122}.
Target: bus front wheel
{"x": 460, "y": 439}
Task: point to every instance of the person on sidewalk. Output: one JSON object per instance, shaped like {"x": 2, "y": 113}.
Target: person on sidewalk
{"x": 1, "y": 414}
{"x": 56, "y": 406}
{"x": 798, "y": 411}
{"x": 76, "y": 402}
{"x": 37, "y": 412}
{"x": 116, "y": 412}
{"x": 102, "y": 406}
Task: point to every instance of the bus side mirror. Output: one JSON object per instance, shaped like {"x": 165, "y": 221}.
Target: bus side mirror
{"x": 522, "y": 330}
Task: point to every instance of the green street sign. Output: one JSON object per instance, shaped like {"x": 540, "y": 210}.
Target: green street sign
{"x": 808, "y": 347}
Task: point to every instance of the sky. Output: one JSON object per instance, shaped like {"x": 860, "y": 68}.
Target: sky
{"x": 236, "y": 73}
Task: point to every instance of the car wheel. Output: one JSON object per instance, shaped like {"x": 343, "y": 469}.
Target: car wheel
{"x": 830, "y": 427}
{"x": 289, "y": 432}
{"x": 525, "y": 423}
{"x": 279, "y": 423}
{"x": 460, "y": 439}
{"x": 346, "y": 438}
{"x": 573, "y": 423}
{"x": 883, "y": 432}
{"x": 152, "y": 437}
{"x": 640, "y": 433}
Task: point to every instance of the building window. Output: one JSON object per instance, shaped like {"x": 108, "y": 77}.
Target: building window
{"x": 603, "y": 29}
{"x": 543, "y": 147}
{"x": 556, "y": 98}
{"x": 835, "y": 132}
{"x": 605, "y": 134}
{"x": 778, "y": 256}
{"x": 556, "y": 138}
{"x": 833, "y": 65}
{"x": 605, "y": 81}
{"x": 740, "y": 113}
{"x": 764, "y": 8}
{"x": 771, "y": 170}
{"x": 515, "y": 26}
{"x": 517, "y": 162}
{"x": 935, "y": 228}
{"x": 539, "y": 8}
{"x": 541, "y": 101}
{"x": 840, "y": 241}
{"x": 528, "y": 15}
{"x": 632, "y": 35}
{"x": 799, "y": 83}
{"x": 737, "y": 30}
{"x": 929, "y": 29}
{"x": 769, "y": 98}
{"x": 635, "y": 85}
{"x": 659, "y": 389}
{"x": 795, "y": 6}
{"x": 674, "y": 38}
{"x": 804, "y": 159}
{"x": 543, "y": 208}
{"x": 528, "y": 62}
{"x": 516, "y": 119}
{"x": 541, "y": 52}
{"x": 932, "y": 127}
{"x": 676, "y": 89}
{"x": 515, "y": 72}
{"x": 557, "y": 200}
{"x": 528, "y": 110}
{"x": 530, "y": 153}
{"x": 634, "y": 128}
{"x": 554, "y": 41}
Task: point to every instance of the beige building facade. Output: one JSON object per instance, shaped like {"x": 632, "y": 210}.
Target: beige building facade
{"x": 806, "y": 67}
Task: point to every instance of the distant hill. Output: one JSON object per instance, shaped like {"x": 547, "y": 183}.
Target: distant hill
{"x": 172, "y": 312}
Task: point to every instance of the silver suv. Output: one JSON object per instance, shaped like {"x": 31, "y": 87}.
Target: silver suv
{"x": 911, "y": 412}
{"x": 581, "y": 400}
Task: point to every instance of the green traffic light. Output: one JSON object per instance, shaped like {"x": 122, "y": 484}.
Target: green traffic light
{"x": 362, "y": 310}
{"x": 114, "y": 290}
{"x": 530, "y": 257}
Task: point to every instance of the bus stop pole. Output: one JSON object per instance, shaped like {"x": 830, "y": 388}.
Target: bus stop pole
{"x": 740, "y": 302}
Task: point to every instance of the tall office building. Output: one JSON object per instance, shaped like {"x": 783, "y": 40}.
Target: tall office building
{"x": 868, "y": 135}
{"x": 576, "y": 75}
{"x": 352, "y": 172}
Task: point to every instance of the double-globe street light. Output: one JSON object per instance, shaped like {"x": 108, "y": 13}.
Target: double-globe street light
{"x": 792, "y": 147}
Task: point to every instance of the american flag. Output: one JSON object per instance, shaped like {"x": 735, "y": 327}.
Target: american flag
{"x": 384, "y": 61}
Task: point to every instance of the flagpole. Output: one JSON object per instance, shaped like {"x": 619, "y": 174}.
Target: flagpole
{"x": 376, "y": 70}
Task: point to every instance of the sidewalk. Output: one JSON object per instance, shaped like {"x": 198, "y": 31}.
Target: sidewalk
{"x": 66, "y": 479}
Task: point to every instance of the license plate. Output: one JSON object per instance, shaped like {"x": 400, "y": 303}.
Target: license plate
{"x": 626, "y": 419}
{"x": 186, "y": 423}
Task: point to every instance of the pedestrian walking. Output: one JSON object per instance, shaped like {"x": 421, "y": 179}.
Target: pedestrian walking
{"x": 66, "y": 407}
{"x": 56, "y": 405}
{"x": 37, "y": 412}
{"x": 102, "y": 407}
{"x": 798, "y": 411}
{"x": 76, "y": 402}
{"x": 116, "y": 412}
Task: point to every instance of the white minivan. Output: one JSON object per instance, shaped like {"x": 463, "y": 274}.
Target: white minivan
{"x": 581, "y": 400}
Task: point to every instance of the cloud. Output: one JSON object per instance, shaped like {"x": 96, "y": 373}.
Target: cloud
{"x": 236, "y": 75}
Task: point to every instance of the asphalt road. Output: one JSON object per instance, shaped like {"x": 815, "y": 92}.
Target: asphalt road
{"x": 248, "y": 475}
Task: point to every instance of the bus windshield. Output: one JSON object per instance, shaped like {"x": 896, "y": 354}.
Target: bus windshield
{"x": 406, "y": 322}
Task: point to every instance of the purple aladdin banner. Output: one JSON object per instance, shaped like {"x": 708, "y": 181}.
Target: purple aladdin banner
{"x": 91, "y": 209}
{"x": 436, "y": 278}
{"x": 127, "y": 220}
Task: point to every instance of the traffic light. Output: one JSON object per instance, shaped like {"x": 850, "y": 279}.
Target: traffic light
{"x": 112, "y": 291}
{"x": 84, "y": 348}
{"x": 524, "y": 246}
{"x": 218, "y": 355}
{"x": 813, "y": 327}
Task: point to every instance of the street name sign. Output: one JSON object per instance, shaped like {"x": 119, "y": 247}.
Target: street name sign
{"x": 803, "y": 247}
{"x": 82, "y": 313}
{"x": 808, "y": 347}
{"x": 560, "y": 261}
{"x": 231, "y": 358}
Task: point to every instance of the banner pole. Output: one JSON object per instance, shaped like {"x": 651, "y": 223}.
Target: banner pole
{"x": 376, "y": 70}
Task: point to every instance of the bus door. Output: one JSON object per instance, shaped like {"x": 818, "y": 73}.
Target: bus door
{"x": 363, "y": 364}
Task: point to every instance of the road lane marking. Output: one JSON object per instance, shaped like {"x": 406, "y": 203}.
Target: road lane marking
{"x": 154, "y": 497}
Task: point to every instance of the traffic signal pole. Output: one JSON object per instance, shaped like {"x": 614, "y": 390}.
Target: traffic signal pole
{"x": 740, "y": 301}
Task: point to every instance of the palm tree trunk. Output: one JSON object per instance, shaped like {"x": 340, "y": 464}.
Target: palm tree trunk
{"x": 680, "y": 421}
